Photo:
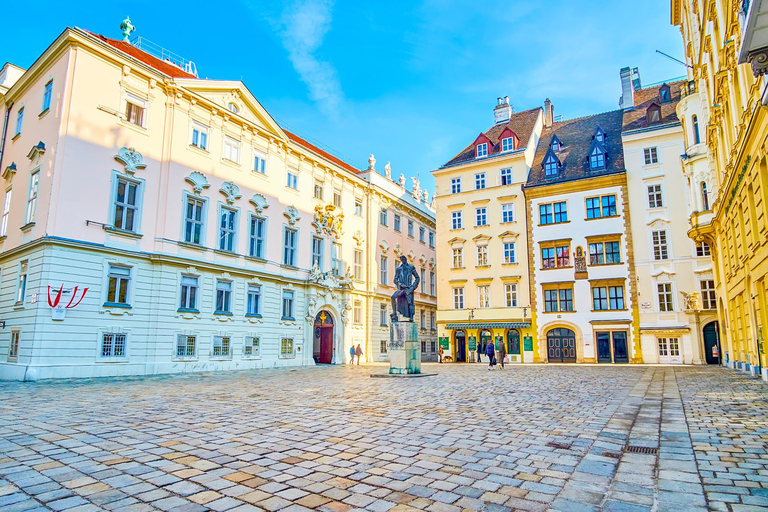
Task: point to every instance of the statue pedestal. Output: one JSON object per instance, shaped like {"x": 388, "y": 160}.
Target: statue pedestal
{"x": 403, "y": 348}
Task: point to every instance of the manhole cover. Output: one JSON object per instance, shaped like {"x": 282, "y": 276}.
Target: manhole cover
{"x": 641, "y": 449}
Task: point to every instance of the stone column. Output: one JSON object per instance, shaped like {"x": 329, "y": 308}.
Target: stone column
{"x": 404, "y": 350}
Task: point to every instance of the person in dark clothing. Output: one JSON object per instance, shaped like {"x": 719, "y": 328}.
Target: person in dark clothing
{"x": 479, "y": 352}
{"x": 490, "y": 352}
{"x": 502, "y": 353}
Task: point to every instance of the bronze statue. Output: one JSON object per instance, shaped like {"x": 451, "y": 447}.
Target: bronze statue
{"x": 406, "y": 281}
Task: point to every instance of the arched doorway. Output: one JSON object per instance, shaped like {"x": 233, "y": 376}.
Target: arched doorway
{"x": 513, "y": 343}
{"x": 485, "y": 339}
{"x": 460, "y": 342}
{"x": 323, "y": 338}
{"x": 710, "y": 342}
{"x": 561, "y": 345}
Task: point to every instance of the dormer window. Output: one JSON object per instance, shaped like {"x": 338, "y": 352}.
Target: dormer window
{"x": 482, "y": 149}
{"x": 664, "y": 94}
{"x": 597, "y": 158}
{"x": 555, "y": 144}
{"x": 599, "y": 135}
{"x": 653, "y": 114}
{"x": 507, "y": 144}
{"x": 551, "y": 166}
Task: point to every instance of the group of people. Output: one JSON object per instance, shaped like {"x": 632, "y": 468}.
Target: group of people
{"x": 355, "y": 352}
{"x": 492, "y": 353}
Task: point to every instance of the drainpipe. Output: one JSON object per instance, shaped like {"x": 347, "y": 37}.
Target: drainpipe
{"x": 5, "y": 130}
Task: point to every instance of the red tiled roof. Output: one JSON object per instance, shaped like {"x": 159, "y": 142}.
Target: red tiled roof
{"x": 160, "y": 65}
{"x": 341, "y": 163}
{"x": 636, "y": 117}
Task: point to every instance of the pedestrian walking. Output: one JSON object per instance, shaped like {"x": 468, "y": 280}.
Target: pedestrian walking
{"x": 502, "y": 353}
{"x": 358, "y": 353}
{"x": 440, "y": 354}
{"x": 352, "y": 354}
{"x": 479, "y": 352}
{"x": 491, "y": 353}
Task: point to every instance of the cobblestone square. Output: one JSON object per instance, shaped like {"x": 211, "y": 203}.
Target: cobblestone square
{"x": 534, "y": 438}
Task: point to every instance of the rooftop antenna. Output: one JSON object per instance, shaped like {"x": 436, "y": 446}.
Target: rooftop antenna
{"x": 674, "y": 59}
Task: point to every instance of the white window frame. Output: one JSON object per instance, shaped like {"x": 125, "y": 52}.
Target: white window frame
{"x": 507, "y": 144}
{"x": 225, "y": 288}
{"x": 357, "y": 312}
{"x": 254, "y": 344}
{"x": 227, "y": 236}
{"x": 230, "y": 150}
{"x": 384, "y": 270}
{"x": 6, "y": 212}
{"x": 21, "y": 282}
{"x": 358, "y": 207}
{"x": 224, "y": 346}
{"x": 337, "y": 261}
{"x": 13, "y": 345}
{"x": 358, "y": 264}
{"x": 186, "y": 355}
{"x": 455, "y": 185}
{"x": 337, "y": 197}
{"x": 187, "y": 290}
{"x": 668, "y": 304}
{"x": 660, "y": 245}
{"x": 458, "y": 257}
{"x": 126, "y": 206}
{"x": 292, "y": 179}
{"x": 383, "y": 315}
{"x": 290, "y": 251}
{"x": 505, "y": 176}
{"x": 384, "y": 217}
{"x": 253, "y": 290}
{"x": 510, "y": 294}
{"x": 317, "y": 191}
{"x": 34, "y": 190}
{"x": 121, "y": 279}
{"x": 508, "y": 249}
{"x": 458, "y": 297}
{"x": 481, "y": 216}
{"x": 507, "y": 212}
{"x": 456, "y": 220}
{"x": 651, "y": 155}
{"x": 708, "y": 294}
{"x": 482, "y": 256}
{"x": 203, "y": 136}
{"x": 432, "y": 283}
{"x": 317, "y": 252}
{"x": 480, "y": 181}
{"x": 288, "y": 305}
{"x": 47, "y": 95}
{"x": 481, "y": 150}
{"x": 113, "y": 345}
{"x": 287, "y": 348}
{"x": 259, "y": 162}
{"x": 410, "y": 228}
{"x": 656, "y": 196}
{"x": 256, "y": 242}
{"x": 483, "y": 296}
{"x": 201, "y": 204}
{"x": 139, "y": 103}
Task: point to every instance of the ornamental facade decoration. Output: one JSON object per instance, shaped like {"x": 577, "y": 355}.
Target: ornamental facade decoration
{"x": 9, "y": 171}
{"x": 232, "y": 191}
{"x": 259, "y": 203}
{"x": 328, "y": 220}
{"x": 691, "y": 301}
{"x": 198, "y": 181}
{"x": 359, "y": 238}
{"x": 292, "y": 214}
{"x": 329, "y": 279}
{"x": 131, "y": 159}
{"x": 36, "y": 152}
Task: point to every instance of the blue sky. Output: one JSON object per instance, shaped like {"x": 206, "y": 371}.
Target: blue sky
{"x": 411, "y": 82}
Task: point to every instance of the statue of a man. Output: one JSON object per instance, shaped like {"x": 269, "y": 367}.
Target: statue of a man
{"x": 406, "y": 281}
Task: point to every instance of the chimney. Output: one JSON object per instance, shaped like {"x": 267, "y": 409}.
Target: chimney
{"x": 549, "y": 113}
{"x": 627, "y": 100}
{"x": 636, "y": 79}
{"x": 503, "y": 111}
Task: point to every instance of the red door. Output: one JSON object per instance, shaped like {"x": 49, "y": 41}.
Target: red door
{"x": 326, "y": 345}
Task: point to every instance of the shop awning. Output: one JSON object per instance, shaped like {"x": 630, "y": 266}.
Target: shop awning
{"x": 489, "y": 325}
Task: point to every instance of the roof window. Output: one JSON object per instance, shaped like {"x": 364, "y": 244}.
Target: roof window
{"x": 653, "y": 113}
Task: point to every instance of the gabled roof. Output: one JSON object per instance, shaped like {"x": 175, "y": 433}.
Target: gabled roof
{"x": 521, "y": 123}
{"x": 162, "y": 66}
{"x": 636, "y": 118}
{"x": 576, "y": 137}
{"x": 324, "y": 154}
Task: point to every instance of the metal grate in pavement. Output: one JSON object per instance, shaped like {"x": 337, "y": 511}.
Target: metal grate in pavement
{"x": 641, "y": 449}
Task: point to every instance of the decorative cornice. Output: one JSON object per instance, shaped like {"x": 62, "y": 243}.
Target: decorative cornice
{"x": 9, "y": 171}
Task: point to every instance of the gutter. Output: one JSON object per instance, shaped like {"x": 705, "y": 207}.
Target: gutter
{"x": 4, "y": 134}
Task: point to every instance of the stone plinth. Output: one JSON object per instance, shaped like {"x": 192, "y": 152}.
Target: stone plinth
{"x": 404, "y": 350}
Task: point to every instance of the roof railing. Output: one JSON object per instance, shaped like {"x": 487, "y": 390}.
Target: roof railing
{"x": 165, "y": 55}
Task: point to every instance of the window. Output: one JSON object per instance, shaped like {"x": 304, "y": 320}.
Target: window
{"x": 186, "y": 345}
{"x": 704, "y": 196}
{"x": 653, "y": 114}
{"x": 221, "y": 346}
{"x": 616, "y": 297}
{"x": 651, "y": 155}
{"x": 397, "y": 222}
{"x": 383, "y": 314}
{"x": 566, "y": 299}
{"x": 509, "y": 252}
{"x": 456, "y": 220}
{"x": 665, "y": 296}
{"x": 669, "y": 347}
{"x": 134, "y": 110}
{"x": 200, "y": 136}
{"x": 510, "y": 295}
{"x": 597, "y": 158}
{"x": 423, "y": 280}
{"x": 664, "y": 93}
{"x": 288, "y": 304}
{"x": 358, "y": 207}
{"x": 358, "y": 265}
{"x": 558, "y": 298}
{"x": 695, "y": 123}
{"x": 357, "y": 312}
{"x": 607, "y": 298}
{"x": 480, "y": 181}
{"x": 508, "y": 212}
{"x": 126, "y": 198}
{"x": 34, "y": 184}
{"x": 337, "y": 198}
{"x": 19, "y": 121}
{"x": 482, "y": 255}
{"x": 423, "y": 319}
{"x": 422, "y": 234}
{"x": 432, "y": 323}
{"x": 482, "y": 149}
{"x": 118, "y": 282}
{"x": 223, "y": 297}
{"x": 654, "y": 196}
{"x": 563, "y": 256}
{"x": 383, "y": 346}
{"x": 599, "y": 135}
{"x": 227, "y": 224}
{"x": 231, "y": 150}
{"x": 432, "y": 283}
{"x": 555, "y": 256}
{"x": 506, "y": 176}
{"x": 708, "y": 297}
{"x": 6, "y": 211}
{"x": 458, "y": 257}
{"x": 232, "y": 108}
{"x": 289, "y": 246}
{"x": 551, "y": 166}
{"x": 256, "y": 237}
{"x": 21, "y": 288}
{"x": 553, "y": 213}
{"x": 659, "y": 245}
{"x": 259, "y": 163}
{"x": 286, "y": 347}
{"x": 292, "y": 180}
{"x": 604, "y": 253}
{"x": 481, "y": 216}
{"x": 317, "y": 252}
{"x": 13, "y": 348}
{"x": 548, "y": 257}
{"x": 252, "y": 346}
{"x": 47, "y": 96}
{"x": 561, "y": 212}
{"x": 410, "y": 228}
{"x": 337, "y": 265}
{"x": 383, "y": 217}
{"x": 455, "y": 185}
{"x": 253, "y": 306}
{"x": 508, "y": 144}
{"x": 550, "y": 301}
{"x": 702, "y": 249}
{"x": 188, "y": 293}
{"x": 431, "y": 238}
{"x": 384, "y": 270}
{"x": 318, "y": 194}
{"x": 598, "y": 207}
{"x": 113, "y": 344}
{"x": 193, "y": 221}
{"x": 458, "y": 298}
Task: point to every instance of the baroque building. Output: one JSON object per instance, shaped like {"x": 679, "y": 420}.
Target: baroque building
{"x": 725, "y": 126}
{"x": 155, "y": 222}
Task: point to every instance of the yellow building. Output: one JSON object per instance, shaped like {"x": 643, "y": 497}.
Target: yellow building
{"x": 724, "y": 105}
{"x": 482, "y": 240}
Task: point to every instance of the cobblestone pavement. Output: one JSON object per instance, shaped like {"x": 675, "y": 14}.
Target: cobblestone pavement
{"x": 563, "y": 438}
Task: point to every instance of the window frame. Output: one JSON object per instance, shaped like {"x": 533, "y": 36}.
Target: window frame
{"x": 317, "y": 252}
{"x": 141, "y": 106}
{"x": 223, "y": 294}
{"x": 185, "y": 355}
{"x": 225, "y": 342}
{"x": 120, "y": 280}
{"x": 254, "y": 343}
{"x": 187, "y": 290}
{"x": 253, "y": 300}
{"x": 21, "y": 282}
{"x": 32, "y": 194}
{"x": 383, "y": 270}
{"x": 226, "y": 233}
{"x": 191, "y": 221}
{"x": 660, "y": 247}
{"x": 290, "y": 250}
{"x": 6, "y": 211}
{"x": 457, "y": 254}
{"x": 287, "y": 348}
{"x": 508, "y": 252}
{"x": 199, "y": 136}
{"x": 458, "y": 297}
{"x": 455, "y": 185}
{"x": 259, "y": 162}
{"x": 481, "y": 254}
{"x": 651, "y": 155}
{"x": 47, "y": 96}
{"x": 480, "y": 181}
{"x": 125, "y": 205}
{"x": 288, "y": 305}
{"x": 231, "y": 147}
{"x": 655, "y": 196}
{"x": 256, "y": 242}
{"x": 457, "y": 220}
{"x": 510, "y": 295}
{"x": 708, "y": 294}
{"x": 292, "y": 179}
{"x": 481, "y": 150}
{"x": 507, "y": 144}
{"x": 113, "y": 344}
{"x": 667, "y": 302}
{"x": 505, "y": 176}
{"x": 481, "y": 216}
{"x": 19, "y": 122}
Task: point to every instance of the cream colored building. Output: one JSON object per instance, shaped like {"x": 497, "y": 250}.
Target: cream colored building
{"x": 207, "y": 237}
{"x": 482, "y": 239}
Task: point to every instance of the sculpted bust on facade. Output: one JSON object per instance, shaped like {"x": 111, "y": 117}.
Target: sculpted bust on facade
{"x": 406, "y": 280}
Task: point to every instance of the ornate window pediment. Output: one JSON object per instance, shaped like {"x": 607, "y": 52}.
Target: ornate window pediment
{"x": 359, "y": 238}
{"x": 384, "y": 246}
{"x": 9, "y": 171}
{"x": 259, "y": 203}
{"x": 36, "y": 152}
{"x": 232, "y": 191}
{"x": 292, "y": 214}
{"x": 131, "y": 159}
{"x": 198, "y": 181}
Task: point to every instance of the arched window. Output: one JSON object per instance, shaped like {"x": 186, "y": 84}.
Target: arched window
{"x": 704, "y": 196}
{"x": 696, "y": 138}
